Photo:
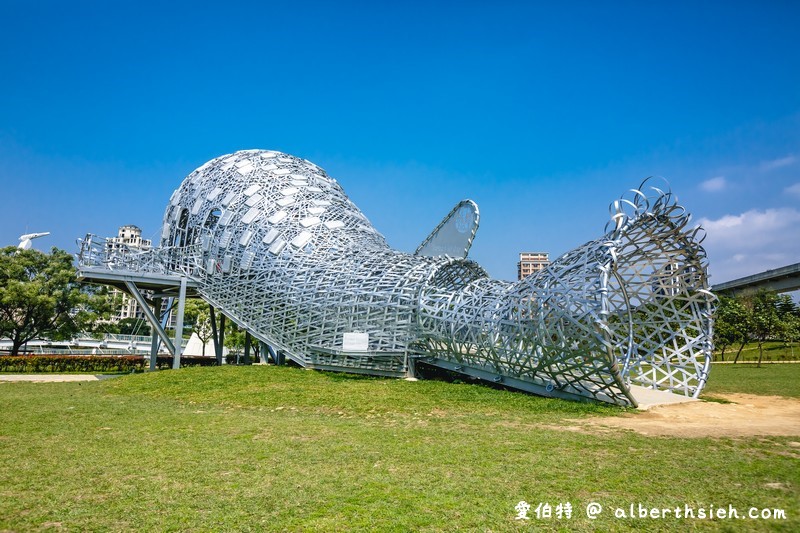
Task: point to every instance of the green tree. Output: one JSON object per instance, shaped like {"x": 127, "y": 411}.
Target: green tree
{"x": 234, "y": 337}
{"x": 730, "y": 323}
{"x": 197, "y": 317}
{"x": 766, "y": 321}
{"x": 789, "y": 321}
{"x": 40, "y": 297}
{"x": 202, "y": 326}
{"x": 790, "y": 330}
{"x": 191, "y": 312}
{"x": 133, "y": 326}
{"x": 786, "y": 306}
{"x": 735, "y": 319}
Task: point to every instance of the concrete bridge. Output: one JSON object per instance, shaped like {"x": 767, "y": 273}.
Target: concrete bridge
{"x": 784, "y": 279}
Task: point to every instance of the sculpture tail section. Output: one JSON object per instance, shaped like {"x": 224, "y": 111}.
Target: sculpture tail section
{"x": 629, "y": 309}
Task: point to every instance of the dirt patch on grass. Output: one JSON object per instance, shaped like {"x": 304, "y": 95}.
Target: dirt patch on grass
{"x": 746, "y": 415}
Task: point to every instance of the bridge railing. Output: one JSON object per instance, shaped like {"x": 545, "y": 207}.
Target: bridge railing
{"x": 109, "y": 341}
{"x": 119, "y": 337}
{"x": 98, "y": 252}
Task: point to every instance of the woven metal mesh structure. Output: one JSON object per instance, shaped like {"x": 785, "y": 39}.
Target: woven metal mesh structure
{"x": 276, "y": 245}
{"x": 632, "y": 307}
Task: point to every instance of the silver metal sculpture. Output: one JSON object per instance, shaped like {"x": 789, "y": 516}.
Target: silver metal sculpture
{"x": 274, "y": 243}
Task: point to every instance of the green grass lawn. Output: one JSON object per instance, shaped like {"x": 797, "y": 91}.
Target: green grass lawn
{"x": 774, "y": 351}
{"x": 277, "y": 448}
{"x": 769, "y": 380}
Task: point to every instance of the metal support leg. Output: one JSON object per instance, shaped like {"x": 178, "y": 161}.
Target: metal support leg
{"x": 221, "y": 337}
{"x": 271, "y": 353}
{"x": 411, "y": 371}
{"x": 176, "y": 356}
{"x": 247, "y": 339}
{"x": 155, "y": 342}
{"x": 148, "y": 313}
{"x": 262, "y": 352}
{"x": 215, "y": 335}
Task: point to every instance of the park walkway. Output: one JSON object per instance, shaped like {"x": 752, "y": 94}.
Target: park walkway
{"x": 55, "y": 378}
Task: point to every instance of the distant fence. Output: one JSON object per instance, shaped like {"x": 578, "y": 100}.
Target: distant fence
{"x": 93, "y": 363}
{"x": 108, "y": 344}
{"x": 48, "y": 350}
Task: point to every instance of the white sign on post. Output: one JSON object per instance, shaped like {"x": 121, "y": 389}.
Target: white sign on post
{"x": 355, "y": 342}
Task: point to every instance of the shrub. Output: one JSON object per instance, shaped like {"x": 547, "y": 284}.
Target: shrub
{"x": 91, "y": 364}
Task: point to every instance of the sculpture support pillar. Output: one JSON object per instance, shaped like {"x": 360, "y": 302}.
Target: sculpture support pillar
{"x": 217, "y": 334}
{"x": 153, "y": 331}
{"x": 247, "y": 340}
{"x": 176, "y": 357}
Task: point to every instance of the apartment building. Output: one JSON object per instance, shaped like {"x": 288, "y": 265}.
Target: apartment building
{"x": 531, "y": 262}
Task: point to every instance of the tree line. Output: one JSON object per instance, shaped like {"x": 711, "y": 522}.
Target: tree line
{"x": 40, "y": 297}
{"x": 755, "y": 317}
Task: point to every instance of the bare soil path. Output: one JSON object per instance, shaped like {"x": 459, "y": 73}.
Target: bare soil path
{"x": 746, "y": 415}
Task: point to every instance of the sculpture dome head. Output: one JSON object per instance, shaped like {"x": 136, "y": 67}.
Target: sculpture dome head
{"x": 265, "y": 203}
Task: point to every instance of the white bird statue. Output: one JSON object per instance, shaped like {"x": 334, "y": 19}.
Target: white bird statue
{"x": 25, "y": 240}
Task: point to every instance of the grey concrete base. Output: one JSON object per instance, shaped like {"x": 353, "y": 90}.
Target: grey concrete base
{"x": 647, "y": 398}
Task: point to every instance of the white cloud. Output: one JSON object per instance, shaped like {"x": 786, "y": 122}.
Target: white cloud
{"x": 714, "y": 184}
{"x": 793, "y": 189}
{"x": 753, "y": 228}
{"x": 778, "y": 163}
{"x": 749, "y": 243}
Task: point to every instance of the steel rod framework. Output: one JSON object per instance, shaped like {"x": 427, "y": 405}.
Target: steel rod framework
{"x": 276, "y": 245}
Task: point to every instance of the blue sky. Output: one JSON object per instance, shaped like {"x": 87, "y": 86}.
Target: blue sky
{"x": 541, "y": 112}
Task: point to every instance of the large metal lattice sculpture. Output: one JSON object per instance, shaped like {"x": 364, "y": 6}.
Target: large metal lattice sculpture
{"x": 277, "y": 246}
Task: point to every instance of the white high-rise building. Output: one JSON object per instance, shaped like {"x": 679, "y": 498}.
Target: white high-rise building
{"x": 129, "y": 238}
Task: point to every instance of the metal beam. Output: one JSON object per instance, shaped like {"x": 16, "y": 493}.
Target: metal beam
{"x": 221, "y": 335}
{"x": 176, "y": 354}
{"x": 148, "y": 313}
{"x": 272, "y": 353}
{"x": 160, "y": 284}
{"x": 215, "y": 334}
{"x": 508, "y": 381}
{"x": 155, "y": 343}
{"x": 247, "y": 339}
